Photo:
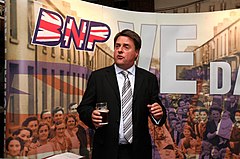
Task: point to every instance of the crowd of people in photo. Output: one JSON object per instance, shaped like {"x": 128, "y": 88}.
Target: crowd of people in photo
{"x": 204, "y": 127}
{"x": 197, "y": 127}
{"x": 52, "y": 133}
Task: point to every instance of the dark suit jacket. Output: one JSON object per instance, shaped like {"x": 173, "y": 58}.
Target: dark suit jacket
{"x": 103, "y": 87}
{"x": 211, "y": 127}
{"x": 179, "y": 136}
{"x": 82, "y": 137}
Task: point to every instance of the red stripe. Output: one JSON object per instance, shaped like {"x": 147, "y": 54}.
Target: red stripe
{"x": 49, "y": 37}
{"x": 50, "y": 15}
{"x": 93, "y": 37}
{"x": 99, "y": 31}
{"x": 49, "y": 26}
{"x": 74, "y": 32}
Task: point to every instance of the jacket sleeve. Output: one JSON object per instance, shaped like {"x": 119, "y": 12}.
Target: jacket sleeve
{"x": 87, "y": 105}
{"x": 155, "y": 98}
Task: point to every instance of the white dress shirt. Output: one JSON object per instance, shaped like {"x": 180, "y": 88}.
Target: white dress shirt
{"x": 120, "y": 80}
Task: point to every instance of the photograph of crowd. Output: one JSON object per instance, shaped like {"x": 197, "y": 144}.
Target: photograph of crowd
{"x": 45, "y": 84}
{"x": 194, "y": 129}
{"x": 202, "y": 126}
{"x": 54, "y": 132}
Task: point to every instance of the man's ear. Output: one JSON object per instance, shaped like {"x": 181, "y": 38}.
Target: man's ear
{"x": 137, "y": 54}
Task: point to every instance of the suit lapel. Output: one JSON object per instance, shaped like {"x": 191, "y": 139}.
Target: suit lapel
{"x": 138, "y": 82}
{"x": 112, "y": 79}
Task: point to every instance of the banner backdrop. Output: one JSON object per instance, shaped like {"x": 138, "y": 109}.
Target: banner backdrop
{"x": 53, "y": 45}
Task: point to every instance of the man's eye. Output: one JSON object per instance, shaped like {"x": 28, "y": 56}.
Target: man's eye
{"x": 127, "y": 46}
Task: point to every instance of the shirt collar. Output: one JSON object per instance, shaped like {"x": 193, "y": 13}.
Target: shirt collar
{"x": 131, "y": 70}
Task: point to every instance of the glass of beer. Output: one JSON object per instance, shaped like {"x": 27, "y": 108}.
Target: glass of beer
{"x": 103, "y": 109}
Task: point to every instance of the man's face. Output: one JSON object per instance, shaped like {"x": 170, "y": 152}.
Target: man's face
{"x": 171, "y": 116}
{"x": 73, "y": 109}
{"x": 215, "y": 115}
{"x": 180, "y": 111}
{"x": 187, "y": 104}
{"x": 215, "y": 153}
{"x": 182, "y": 104}
{"x": 47, "y": 117}
{"x": 125, "y": 52}
{"x": 173, "y": 123}
{"x": 196, "y": 116}
{"x": 179, "y": 127}
{"x": 58, "y": 116}
{"x": 232, "y": 99}
{"x": 205, "y": 89}
{"x": 60, "y": 129}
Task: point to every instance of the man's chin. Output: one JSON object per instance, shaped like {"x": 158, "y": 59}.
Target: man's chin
{"x": 119, "y": 64}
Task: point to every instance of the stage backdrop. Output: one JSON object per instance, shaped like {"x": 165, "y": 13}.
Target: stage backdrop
{"x": 52, "y": 46}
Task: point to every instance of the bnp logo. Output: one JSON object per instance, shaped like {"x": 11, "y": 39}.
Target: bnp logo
{"x": 52, "y": 30}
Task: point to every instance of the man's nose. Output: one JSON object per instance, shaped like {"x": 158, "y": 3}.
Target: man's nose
{"x": 120, "y": 49}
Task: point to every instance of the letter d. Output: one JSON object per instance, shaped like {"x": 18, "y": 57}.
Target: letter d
{"x": 225, "y": 76}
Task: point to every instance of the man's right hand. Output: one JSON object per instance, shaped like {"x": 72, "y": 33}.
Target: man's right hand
{"x": 96, "y": 119}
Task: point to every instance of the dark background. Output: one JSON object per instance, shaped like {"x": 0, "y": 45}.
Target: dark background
{"x": 136, "y": 5}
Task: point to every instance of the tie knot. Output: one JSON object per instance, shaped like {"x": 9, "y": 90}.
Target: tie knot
{"x": 125, "y": 74}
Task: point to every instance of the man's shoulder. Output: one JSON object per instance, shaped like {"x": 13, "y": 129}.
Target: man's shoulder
{"x": 104, "y": 69}
{"x": 145, "y": 72}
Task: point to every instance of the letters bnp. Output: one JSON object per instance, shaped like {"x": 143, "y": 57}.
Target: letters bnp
{"x": 52, "y": 30}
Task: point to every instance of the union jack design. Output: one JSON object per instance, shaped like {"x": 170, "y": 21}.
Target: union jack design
{"x": 48, "y": 29}
{"x": 99, "y": 32}
{"x": 51, "y": 31}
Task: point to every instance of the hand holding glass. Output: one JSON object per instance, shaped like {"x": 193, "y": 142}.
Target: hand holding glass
{"x": 103, "y": 109}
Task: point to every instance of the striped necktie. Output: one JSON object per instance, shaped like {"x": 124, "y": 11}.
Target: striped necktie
{"x": 127, "y": 108}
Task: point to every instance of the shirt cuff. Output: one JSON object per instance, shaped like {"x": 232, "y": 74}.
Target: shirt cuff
{"x": 156, "y": 121}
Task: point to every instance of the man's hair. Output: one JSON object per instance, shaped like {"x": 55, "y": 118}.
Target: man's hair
{"x": 196, "y": 110}
{"x": 204, "y": 110}
{"x": 237, "y": 111}
{"x": 59, "y": 123}
{"x": 43, "y": 112}
{"x": 71, "y": 104}
{"x": 180, "y": 100}
{"x": 131, "y": 34}
{"x": 216, "y": 108}
{"x": 57, "y": 109}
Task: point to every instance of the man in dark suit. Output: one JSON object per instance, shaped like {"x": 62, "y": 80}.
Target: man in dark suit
{"x": 232, "y": 106}
{"x": 108, "y": 85}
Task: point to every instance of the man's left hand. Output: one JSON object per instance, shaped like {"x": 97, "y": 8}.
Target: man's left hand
{"x": 156, "y": 110}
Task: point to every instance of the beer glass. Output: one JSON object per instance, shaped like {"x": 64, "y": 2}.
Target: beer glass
{"x": 103, "y": 109}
